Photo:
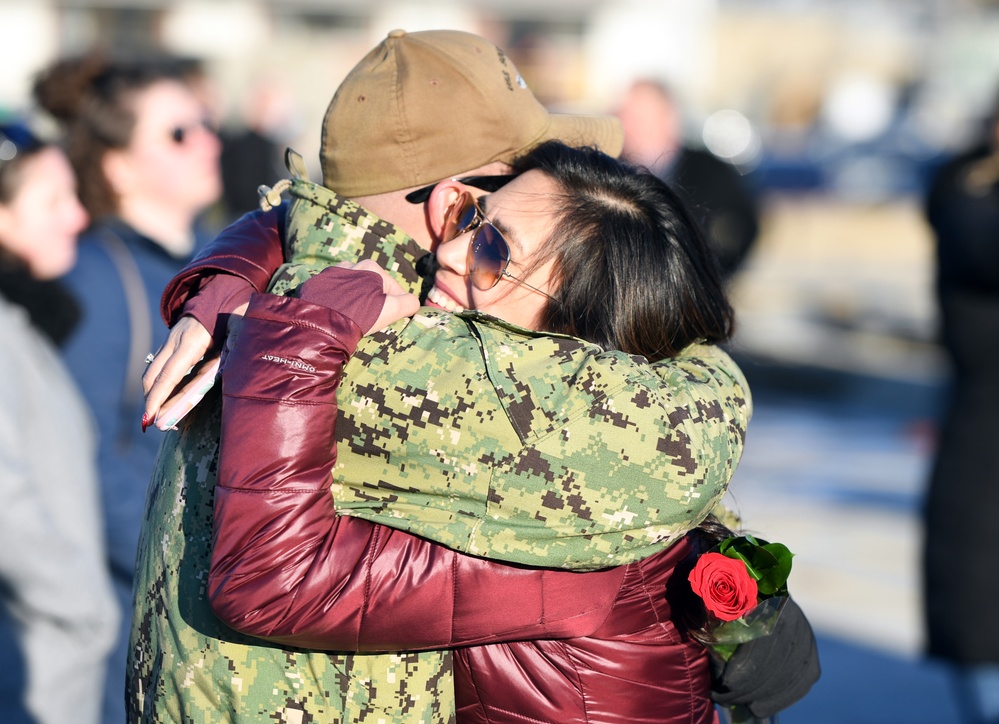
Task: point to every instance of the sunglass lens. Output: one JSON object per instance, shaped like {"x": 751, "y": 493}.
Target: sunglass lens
{"x": 489, "y": 255}
{"x": 180, "y": 134}
{"x": 460, "y": 217}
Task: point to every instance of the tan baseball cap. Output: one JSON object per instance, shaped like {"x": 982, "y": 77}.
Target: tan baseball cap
{"x": 429, "y": 105}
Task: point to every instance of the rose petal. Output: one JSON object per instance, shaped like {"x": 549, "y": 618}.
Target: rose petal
{"x": 725, "y": 586}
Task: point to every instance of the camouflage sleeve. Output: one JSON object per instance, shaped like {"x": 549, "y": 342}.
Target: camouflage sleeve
{"x": 644, "y": 457}
{"x": 535, "y": 449}
{"x": 249, "y": 249}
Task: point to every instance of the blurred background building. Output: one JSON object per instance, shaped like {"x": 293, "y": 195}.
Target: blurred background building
{"x": 835, "y": 112}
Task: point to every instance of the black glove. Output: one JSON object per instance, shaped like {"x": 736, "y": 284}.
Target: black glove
{"x": 770, "y": 673}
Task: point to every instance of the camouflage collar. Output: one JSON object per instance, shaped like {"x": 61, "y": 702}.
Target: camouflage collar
{"x": 325, "y": 227}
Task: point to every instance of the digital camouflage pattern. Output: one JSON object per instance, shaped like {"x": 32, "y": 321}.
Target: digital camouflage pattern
{"x": 513, "y": 445}
{"x": 184, "y": 664}
{"x": 545, "y": 450}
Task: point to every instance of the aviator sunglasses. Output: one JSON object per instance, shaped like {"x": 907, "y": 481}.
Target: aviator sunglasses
{"x": 488, "y": 250}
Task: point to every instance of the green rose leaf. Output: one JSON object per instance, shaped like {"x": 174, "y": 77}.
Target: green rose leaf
{"x": 768, "y": 563}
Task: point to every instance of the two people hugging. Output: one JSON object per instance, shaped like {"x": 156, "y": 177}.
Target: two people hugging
{"x": 501, "y": 483}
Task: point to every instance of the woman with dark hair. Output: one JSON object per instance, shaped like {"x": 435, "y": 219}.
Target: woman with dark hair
{"x": 147, "y": 165}
{"x": 626, "y": 266}
{"x": 577, "y": 243}
{"x": 56, "y": 601}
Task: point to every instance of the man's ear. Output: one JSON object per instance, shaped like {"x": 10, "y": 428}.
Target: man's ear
{"x": 442, "y": 198}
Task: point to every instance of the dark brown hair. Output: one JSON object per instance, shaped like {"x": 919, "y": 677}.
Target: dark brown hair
{"x": 632, "y": 269}
{"x": 93, "y": 99}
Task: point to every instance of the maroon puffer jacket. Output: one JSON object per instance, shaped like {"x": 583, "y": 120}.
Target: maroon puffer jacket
{"x": 561, "y": 646}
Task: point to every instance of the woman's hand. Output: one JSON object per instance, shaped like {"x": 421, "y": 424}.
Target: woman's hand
{"x": 187, "y": 344}
{"x": 398, "y": 303}
{"x": 363, "y": 292}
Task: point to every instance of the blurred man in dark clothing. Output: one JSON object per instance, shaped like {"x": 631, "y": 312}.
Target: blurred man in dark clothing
{"x": 715, "y": 190}
{"x": 253, "y": 150}
{"x": 962, "y": 501}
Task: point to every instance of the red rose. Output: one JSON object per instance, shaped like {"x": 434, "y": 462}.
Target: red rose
{"x": 725, "y": 586}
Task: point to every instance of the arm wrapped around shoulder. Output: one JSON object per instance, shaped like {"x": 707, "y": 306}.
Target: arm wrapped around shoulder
{"x": 249, "y": 249}
{"x": 772, "y": 672}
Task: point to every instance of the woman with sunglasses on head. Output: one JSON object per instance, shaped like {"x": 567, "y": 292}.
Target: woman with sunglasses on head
{"x": 577, "y": 244}
{"x": 147, "y": 165}
{"x": 57, "y": 608}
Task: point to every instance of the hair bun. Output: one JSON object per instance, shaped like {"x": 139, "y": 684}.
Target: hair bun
{"x": 63, "y": 87}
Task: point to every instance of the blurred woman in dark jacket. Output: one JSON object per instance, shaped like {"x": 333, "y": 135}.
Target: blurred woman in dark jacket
{"x": 962, "y": 502}
{"x": 147, "y": 164}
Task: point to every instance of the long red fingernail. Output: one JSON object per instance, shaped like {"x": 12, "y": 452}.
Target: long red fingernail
{"x": 145, "y": 421}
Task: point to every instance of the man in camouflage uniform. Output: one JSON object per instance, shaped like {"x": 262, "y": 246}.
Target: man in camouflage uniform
{"x": 185, "y": 665}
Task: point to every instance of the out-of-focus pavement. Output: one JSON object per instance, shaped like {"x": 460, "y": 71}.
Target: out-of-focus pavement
{"x": 835, "y": 468}
{"x": 836, "y": 319}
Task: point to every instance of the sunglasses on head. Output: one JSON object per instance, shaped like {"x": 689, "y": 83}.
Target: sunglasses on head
{"x": 488, "y": 250}
{"x": 486, "y": 183}
{"x": 180, "y": 134}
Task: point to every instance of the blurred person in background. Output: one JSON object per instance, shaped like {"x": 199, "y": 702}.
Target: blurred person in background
{"x": 58, "y": 607}
{"x": 147, "y": 164}
{"x": 253, "y": 146}
{"x": 962, "y": 501}
{"x": 714, "y": 189}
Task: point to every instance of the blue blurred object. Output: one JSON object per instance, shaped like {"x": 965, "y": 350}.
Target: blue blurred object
{"x": 865, "y": 686}
{"x": 874, "y": 171}
{"x": 12, "y": 679}
{"x": 896, "y": 162}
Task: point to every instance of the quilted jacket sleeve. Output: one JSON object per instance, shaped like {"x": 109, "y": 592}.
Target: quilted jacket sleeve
{"x": 249, "y": 248}
{"x": 285, "y": 567}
